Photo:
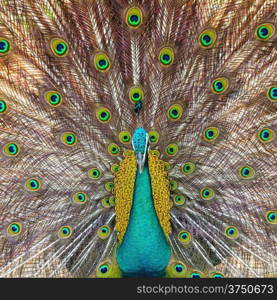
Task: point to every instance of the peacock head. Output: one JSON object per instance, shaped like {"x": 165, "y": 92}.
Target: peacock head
{"x": 140, "y": 143}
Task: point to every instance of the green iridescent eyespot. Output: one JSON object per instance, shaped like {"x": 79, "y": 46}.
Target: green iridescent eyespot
{"x": 33, "y": 184}
{"x": 175, "y": 112}
{"x": 11, "y": 149}
{"x": 94, "y": 173}
{"x": 103, "y": 114}
{"x": 179, "y": 200}
{"x": 265, "y": 31}
{"x": 216, "y": 275}
{"x": 184, "y": 237}
{"x": 176, "y": 269}
{"x": 80, "y": 197}
{"x": 101, "y": 62}
{"x": 207, "y": 193}
{"x": 272, "y": 93}
{"x": 14, "y": 229}
{"x": 196, "y": 274}
{"x": 188, "y": 168}
{"x": 113, "y": 149}
{"x": 5, "y": 46}
{"x": 59, "y": 47}
{"x": 104, "y": 270}
{"x": 210, "y": 134}
{"x": 136, "y": 94}
{"x": 207, "y": 38}
{"x": 53, "y": 98}
{"x": 3, "y": 107}
{"x": 271, "y": 217}
{"x": 125, "y": 137}
{"x": 266, "y": 135}
{"x": 171, "y": 149}
{"x": 153, "y": 137}
{"x": 220, "y": 85}
{"x": 115, "y": 168}
{"x": 104, "y": 231}
{"x": 134, "y": 17}
{"x": 173, "y": 185}
{"x": 166, "y": 56}
{"x": 106, "y": 202}
{"x": 246, "y": 172}
{"x": 69, "y": 139}
{"x": 231, "y": 232}
{"x": 109, "y": 186}
{"x": 65, "y": 232}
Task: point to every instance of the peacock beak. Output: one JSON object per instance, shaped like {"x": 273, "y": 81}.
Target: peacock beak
{"x": 141, "y": 161}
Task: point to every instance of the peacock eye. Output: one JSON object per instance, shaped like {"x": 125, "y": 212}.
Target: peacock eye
{"x": 207, "y": 38}
{"x": 220, "y": 85}
{"x": 101, "y": 62}
{"x": 33, "y": 184}
{"x": 246, "y": 172}
{"x": 109, "y": 186}
{"x": 3, "y": 107}
{"x": 266, "y": 135}
{"x": 53, "y": 98}
{"x": 106, "y": 202}
{"x": 104, "y": 270}
{"x": 11, "y": 149}
{"x": 153, "y": 137}
{"x": 94, "y": 173}
{"x": 179, "y": 200}
{"x": 59, "y": 47}
{"x": 207, "y": 193}
{"x": 272, "y": 93}
{"x": 125, "y": 137}
{"x": 134, "y": 17}
{"x": 65, "y": 232}
{"x": 177, "y": 269}
{"x": 210, "y": 134}
{"x": 231, "y": 232}
{"x": 5, "y": 46}
{"x": 184, "y": 237}
{"x": 265, "y": 31}
{"x": 196, "y": 274}
{"x": 80, "y": 198}
{"x": 104, "y": 231}
{"x": 166, "y": 56}
{"x": 271, "y": 216}
{"x": 136, "y": 94}
{"x": 115, "y": 168}
{"x": 171, "y": 149}
{"x": 188, "y": 168}
{"x": 217, "y": 275}
{"x": 175, "y": 112}
{"x": 69, "y": 139}
{"x": 103, "y": 114}
{"x": 173, "y": 185}
{"x": 113, "y": 149}
{"x": 14, "y": 229}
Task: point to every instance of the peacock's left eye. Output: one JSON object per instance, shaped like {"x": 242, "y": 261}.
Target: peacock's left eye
{"x": 272, "y": 93}
{"x": 231, "y": 232}
{"x": 153, "y": 137}
{"x": 5, "y": 46}
{"x": 59, "y": 47}
{"x": 220, "y": 85}
{"x": 171, "y": 149}
{"x": 65, "y": 232}
{"x": 54, "y": 98}
{"x": 33, "y": 184}
{"x": 271, "y": 216}
{"x": 80, "y": 198}
{"x": 179, "y": 200}
{"x": 188, "y": 168}
{"x": 103, "y": 114}
{"x": 166, "y": 56}
{"x": 207, "y": 38}
{"x": 69, "y": 139}
{"x": 113, "y": 149}
{"x": 11, "y": 149}
{"x": 125, "y": 137}
{"x": 134, "y": 17}
{"x": 3, "y": 107}
{"x": 210, "y": 134}
{"x": 14, "y": 229}
{"x": 207, "y": 193}
{"x": 265, "y": 31}
{"x": 109, "y": 186}
{"x": 94, "y": 173}
{"x": 217, "y": 275}
{"x": 136, "y": 94}
{"x": 266, "y": 135}
{"x": 101, "y": 62}
{"x": 184, "y": 237}
{"x": 246, "y": 172}
{"x": 104, "y": 231}
{"x": 175, "y": 112}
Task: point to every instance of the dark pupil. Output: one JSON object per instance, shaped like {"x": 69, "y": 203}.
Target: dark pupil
{"x": 1, "y": 105}
{"x": 245, "y": 171}
{"x": 206, "y": 193}
{"x": 2, "y": 45}
{"x": 113, "y": 149}
{"x": 80, "y": 197}
{"x": 187, "y": 168}
{"x": 60, "y": 47}
{"x": 174, "y": 112}
{"x": 265, "y": 134}
{"x": 104, "y": 230}
{"x": 166, "y": 57}
{"x": 264, "y": 31}
{"x": 195, "y": 276}
{"x": 102, "y": 62}
{"x": 231, "y": 232}
{"x": 103, "y": 115}
{"x": 12, "y": 149}
{"x": 65, "y": 231}
{"x": 178, "y": 198}
{"x": 179, "y": 269}
{"x": 206, "y": 38}
{"x": 54, "y": 98}
{"x": 125, "y": 137}
{"x": 134, "y": 18}
{"x": 171, "y": 150}
{"x": 14, "y": 228}
{"x": 152, "y": 138}
{"x": 136, "y": 95}
{"x": 69, "y": 138}
{"x": 210, "y": 133}
{"x": 272, "y": 217}
{"x": 219, "y": 85}
{"x": 104, "y": 270}
{"x": 274, "y": 92}
{"x": 33, "y": 184}
{"x": 95, "y": 173}
{"x": 184, "y": 236}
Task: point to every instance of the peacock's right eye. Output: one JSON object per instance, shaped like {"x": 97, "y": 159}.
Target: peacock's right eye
{"x": 113, "y": 149}
{"x": 210, "y": 134}
{"x": 166, "y": 56}
{"x": 104, "y": 231}
{"x": 14, "y": 229}
{"x": 103, "y": 114}
{"x": 94, "y": 173}
{"x": 80, "y": 198}
{"x": 207, "y": 38}
{"x": 175, "y": 112}
{"x": 171, "y": 149}
{"x": 188, "y": 168}
{"x": 11, "y": 149}
{"x": 271, "y": 216}
{"x": 266, "y": 135}
{"x": 220, "y": 85}
{"x": 101, "y": 62}
{"x": 179, "y": 200}
{"x": 265, "y": 31}
{"x": 231, "y": 232}
{"x": 69, "y": 139}
{"x": 3, "y": 107}
{"x": 153, "y": 137}
{"x": 53, "y": 98}
{"x": 33, "y": 184}
{"x": 134, "y": 17}
{"x": 272, "y": 93}
{"x": 65, "y": 232}
{"x": 59, "y": 47}
{"x": 125, "y": 137}
{"x": 184, "y": 237}
{"x": 136, "y": 94}
{"x": 5, "y": 46}
{"x": 207, "y": 193}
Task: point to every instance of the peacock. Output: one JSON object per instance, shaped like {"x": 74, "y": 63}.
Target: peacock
{"x": 138, "y": 138}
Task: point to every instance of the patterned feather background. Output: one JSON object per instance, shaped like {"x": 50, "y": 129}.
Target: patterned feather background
{"x": 205, "y": 75}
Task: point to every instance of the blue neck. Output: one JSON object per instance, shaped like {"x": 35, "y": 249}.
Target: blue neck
{"x": 144, "y": 251}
